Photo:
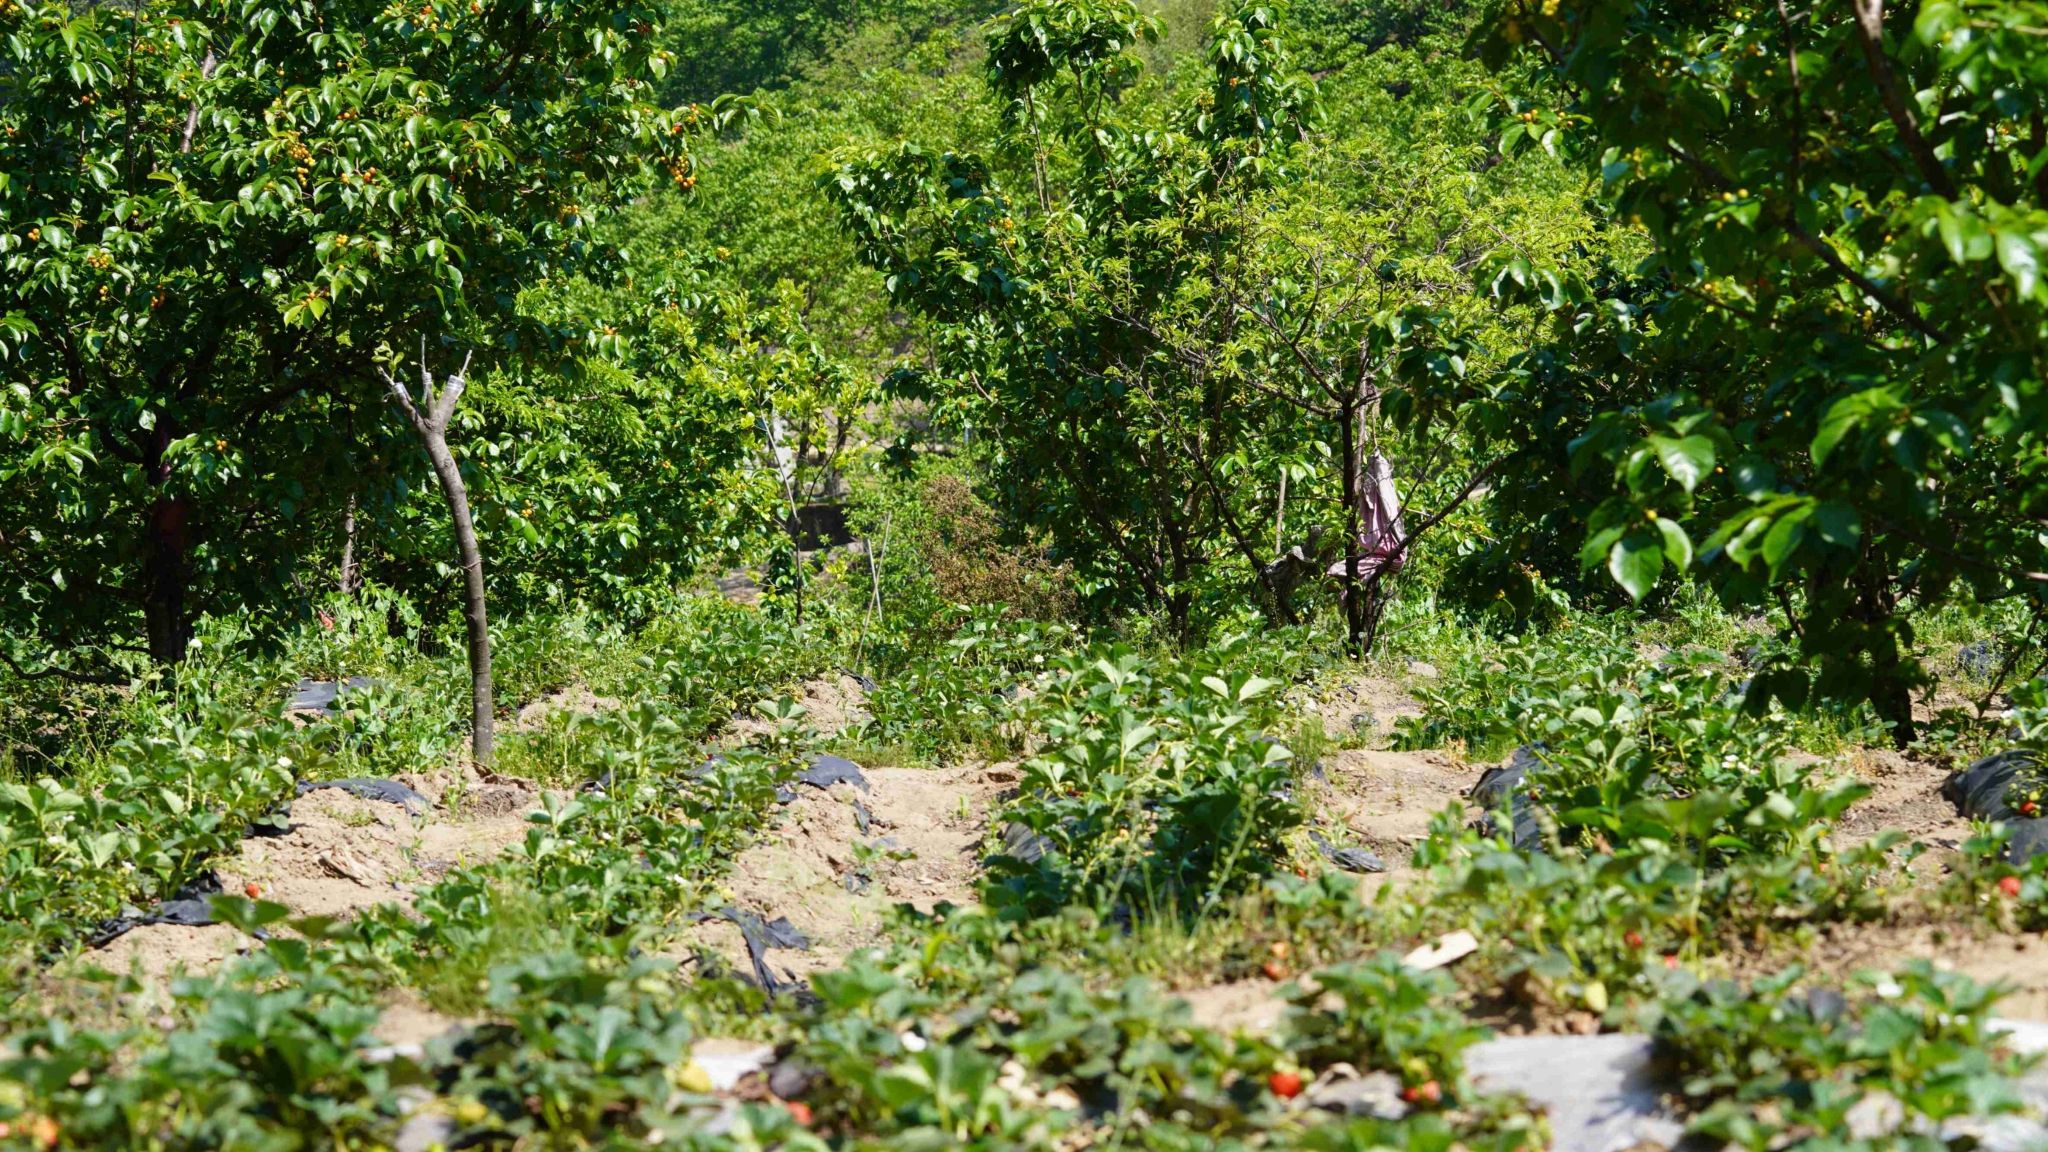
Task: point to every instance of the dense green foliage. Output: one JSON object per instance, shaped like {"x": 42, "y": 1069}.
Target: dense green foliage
{"x": 1824, "y": 387}
{"x": 217, "y": 220}
{"x": 990, "y": 394}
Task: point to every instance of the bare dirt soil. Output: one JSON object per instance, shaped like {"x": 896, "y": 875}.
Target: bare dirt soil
{"x": 575, "y": 700}
{"x": 1905, "y": 797}
{"x": 342, "y": 855}
{"x": 1250, "y": 1006}
{"x": 1386, "y": 800}
{"x": 922, "y": 847}
{"x": 1367, "y": 706}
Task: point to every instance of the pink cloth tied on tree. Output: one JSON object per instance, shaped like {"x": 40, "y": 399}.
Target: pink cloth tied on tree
{"x": 1382, "y": 539}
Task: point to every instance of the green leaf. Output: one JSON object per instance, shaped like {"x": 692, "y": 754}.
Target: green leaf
{"x": 1755, "y": 478}
{"x": 1636, "y": 561}
{"x": 1963, "y": 233}
{"x": 1838, "y": 524}
{"x": 1846, "y": 414}
{"x": 2018, "y": 256}
{"x": 1689, "y": 459}
{"x": 1784, "y": 538}
{"x": 1677, "y": 545}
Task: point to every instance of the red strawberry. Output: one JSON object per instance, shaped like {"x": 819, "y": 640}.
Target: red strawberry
{"x": 1274, "y": 970}
{"x": 1285, "y": 1085}
{"x": 253, "y": 890}
{"x": 1671, "y": 961}
{"x": 2010, "y": 885}
{"x": 1632, "y": 938}
{"x": 798, "y": 1111}
{"x": 2029, "y": 808}
{"x": 1427, "y": 1092}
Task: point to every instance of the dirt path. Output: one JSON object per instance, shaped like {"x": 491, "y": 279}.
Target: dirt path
{"x": 1378, "y": 799}
{"x": 1905, "y": 797}
{"x": 836, "y": 881}
{"x": 1386, "y": 800}
{"x": 2019, "y": 961}
{"x": 1367, "y": 706}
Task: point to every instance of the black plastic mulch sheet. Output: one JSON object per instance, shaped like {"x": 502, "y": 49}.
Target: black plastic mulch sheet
{"x": 1349, "y": 859}
{"x": 187, "y": 906}
{"x": 1979, "y": 793}
{"x": 321, "y": 695}
{"x": 364, "y": 788}
{"x": 1503, "y": 784}
{"x": 761, "y": 936}
{"x": 1023, "y": 845}
{"x": 827, "y": 770}
{"x": 824, "y": 771}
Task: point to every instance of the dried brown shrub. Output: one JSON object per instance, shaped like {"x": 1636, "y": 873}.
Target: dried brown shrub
{"x": 970, "y": 563}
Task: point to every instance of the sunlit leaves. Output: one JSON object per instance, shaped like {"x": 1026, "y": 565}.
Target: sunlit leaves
{"x": 221, "y": 211}
{"x": 1687, "y": 458}
{"x": 1849, "y": 307}
{"x": 1636, "y": 560}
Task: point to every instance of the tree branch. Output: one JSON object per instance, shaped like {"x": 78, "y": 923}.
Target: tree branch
{"x": 1471, "y": 485}
{"x": 405, "y": 404}
{"x": 1827, "y": 255}
{"x": 1870, "y": 33}
{"x": 51, "y": 670}
{"x": 206, "y": 67}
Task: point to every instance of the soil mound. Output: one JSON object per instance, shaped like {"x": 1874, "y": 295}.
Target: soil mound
{"x": 841, "y": 858}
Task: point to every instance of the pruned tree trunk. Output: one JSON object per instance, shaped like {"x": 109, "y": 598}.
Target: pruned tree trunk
{"x": 349, "y": 580}
{"x": 788, "y": 462}
{"x": 430, "y": 418}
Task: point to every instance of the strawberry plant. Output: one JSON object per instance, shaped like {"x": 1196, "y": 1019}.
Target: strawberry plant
{"x": 269, "y": 1052}
{"x": 1620, "y": 749}
{"x": 1581, "y": 928}
{"x": 1787, "y": 1061}
{"x": 1021, "y": 1058}
{"x": 961, "y": 695}
{"x": 1155, "y": 786}
{"x": 175, "y": 794}
{"x": 1386, "y": 1016}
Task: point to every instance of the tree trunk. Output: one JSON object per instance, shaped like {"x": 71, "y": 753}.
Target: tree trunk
{"x": 164, "y": 579}
{"x": 483, "y": 711}
{"x": 167, "y": 547}
{"x": 1891, "y": 681}
{"x": 348, "y": 548}
{"x": 1354, "y": 599}
{"x": 1280, "y": 517}
{"x": 1893, "y": 699}
{"x": 430, "y": 420}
